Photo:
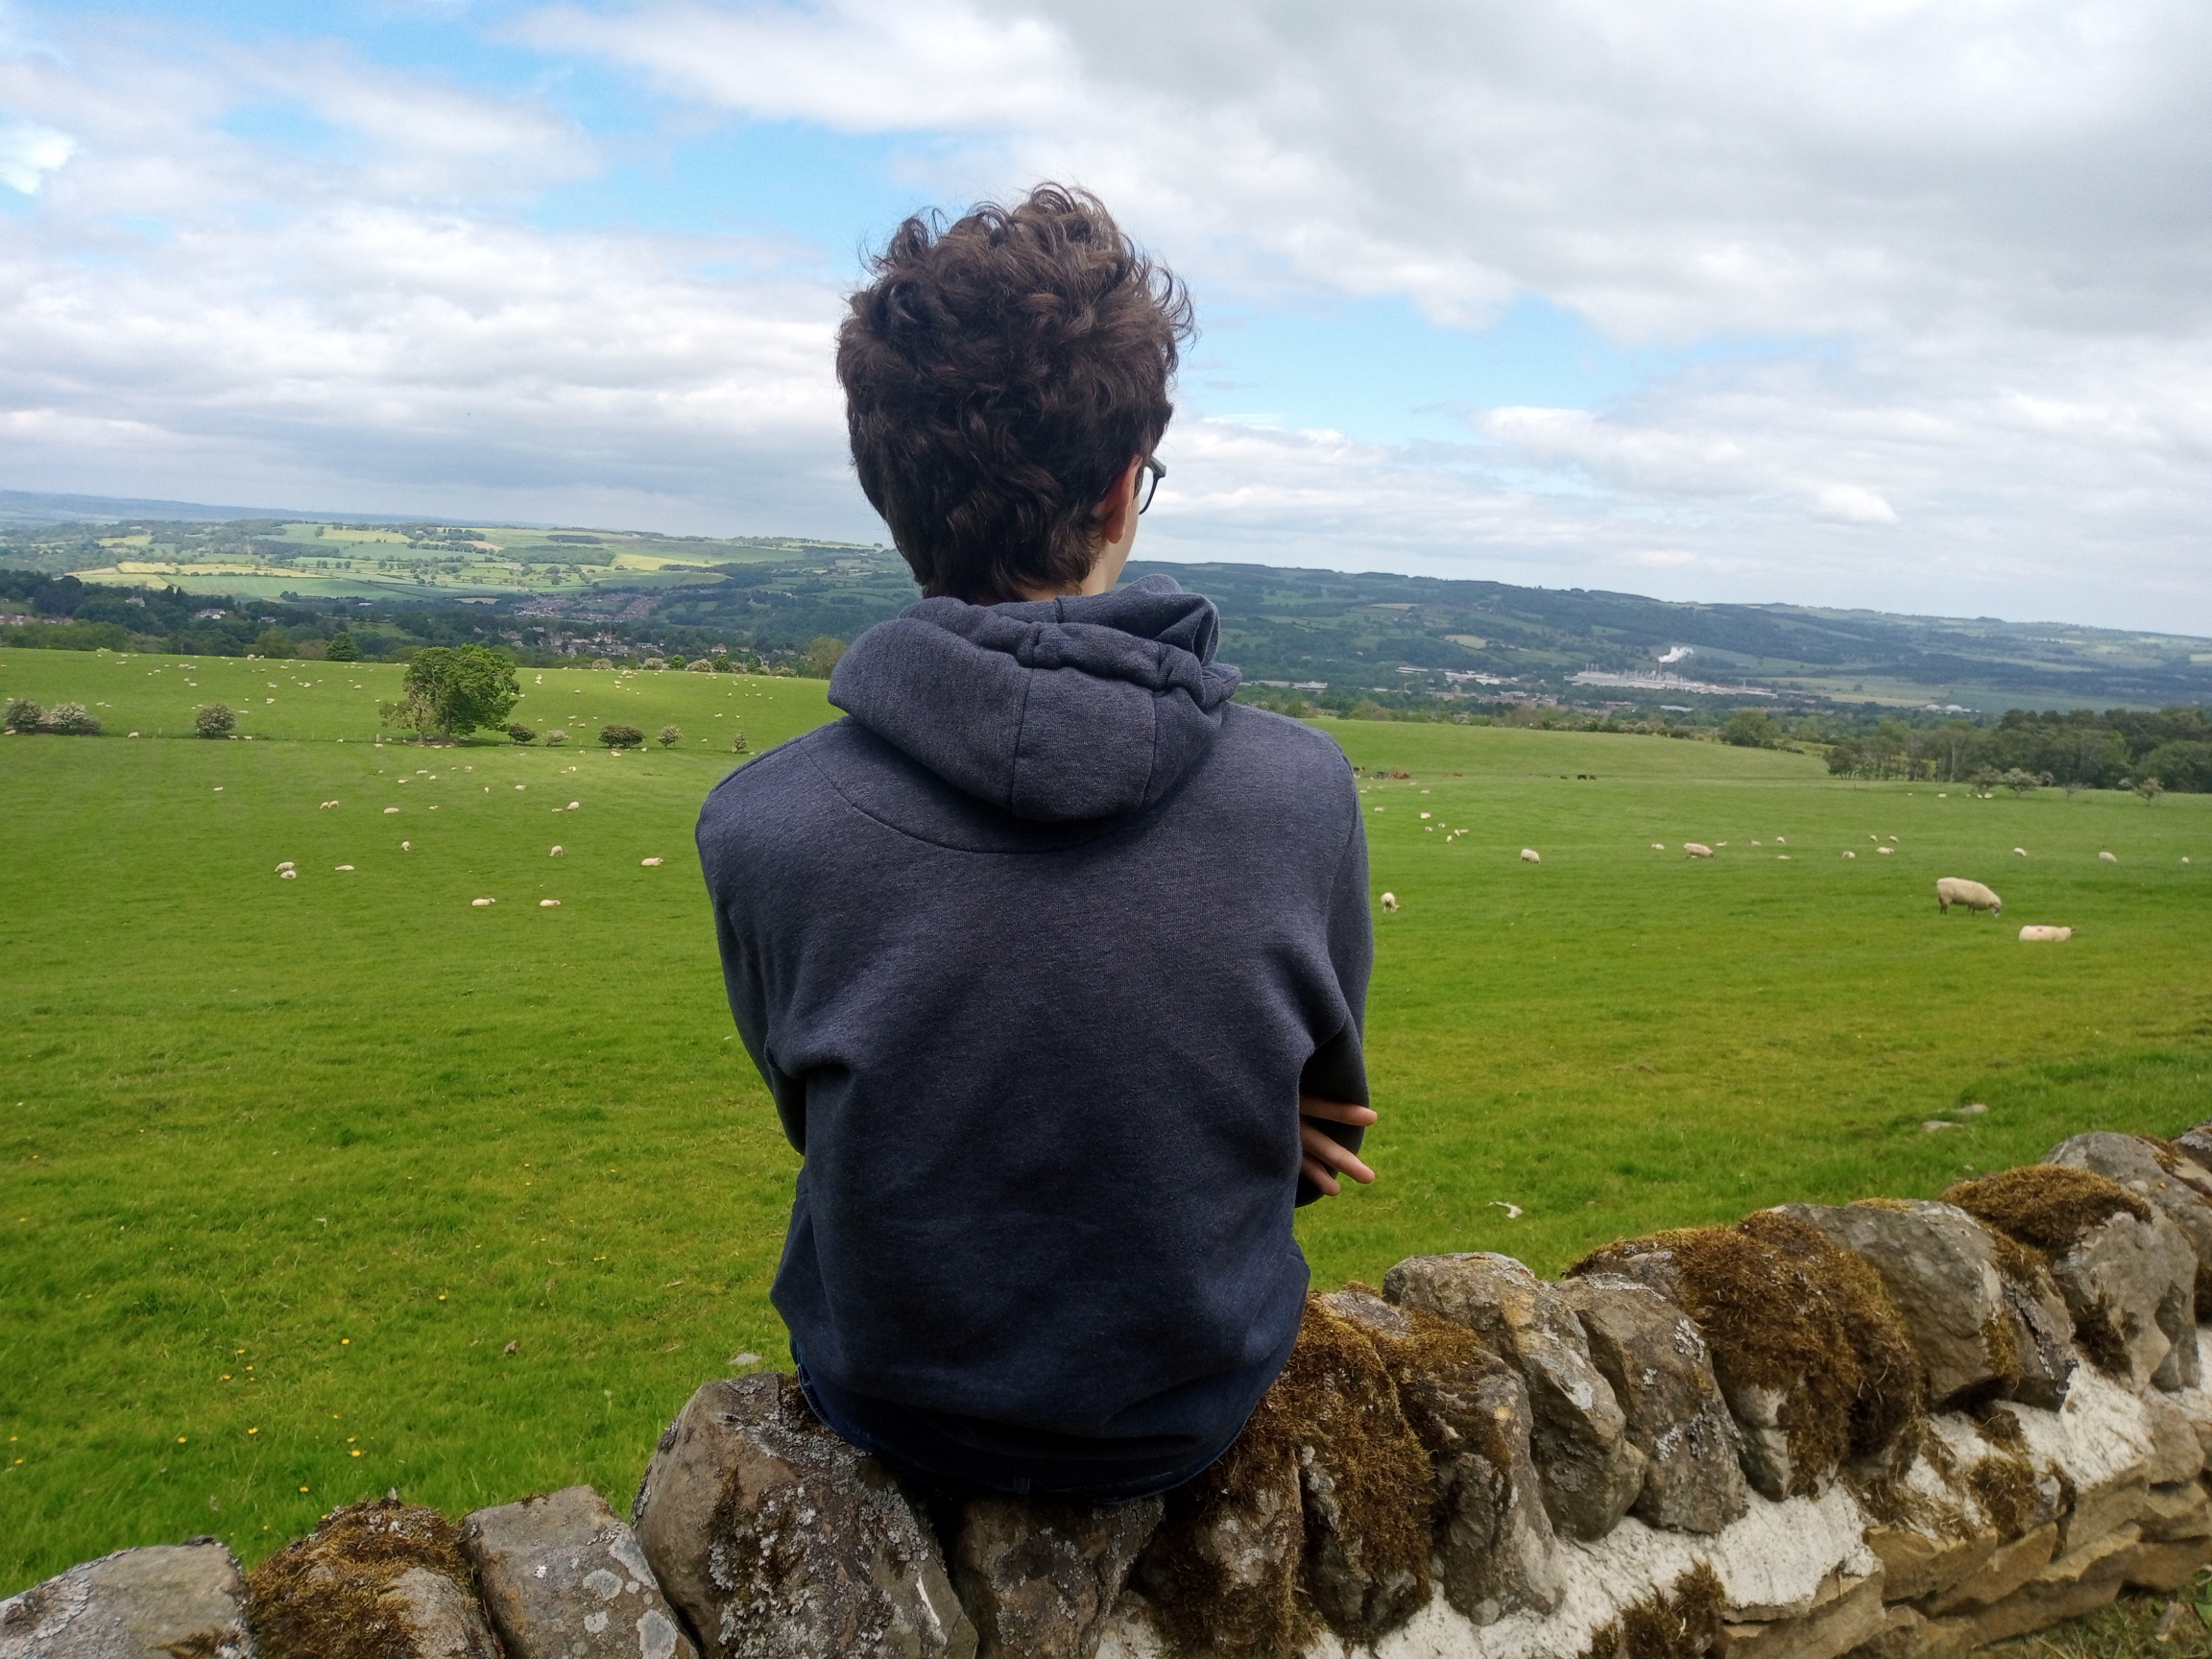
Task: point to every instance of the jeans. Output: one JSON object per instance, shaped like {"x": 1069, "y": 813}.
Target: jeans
{"x": 1043, "y": 1478}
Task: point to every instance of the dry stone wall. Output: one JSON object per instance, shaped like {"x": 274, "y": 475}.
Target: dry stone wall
{"x": 1889, "y": 1430}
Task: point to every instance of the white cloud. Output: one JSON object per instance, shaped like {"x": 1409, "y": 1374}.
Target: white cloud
{"x": 27, "y": 152}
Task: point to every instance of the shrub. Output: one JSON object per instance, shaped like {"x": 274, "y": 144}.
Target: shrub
{"x": 602, "y": 662}
{"x": 702, "y": 666}
{"x": 2022, "y": 782}
{"x": 723, "y": 665}
{"x": 677, "y": 662}
{"x": 73, "y": 720}
{"x": 670, "y": 736}
{"x": 520, "y": 732}
{"x": 622, "y": 736}
{"x": 556, "y": 737}
{"x": 214, "y": 719}
{"x": 1752, "y": 729}
{"x": 342, "y": 648}
{"x": 736, "y": 742}
{"x": 25, "y": 716}
{"x": 654, "y": 663}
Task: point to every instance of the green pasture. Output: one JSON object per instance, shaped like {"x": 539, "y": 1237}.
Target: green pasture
{"x": 318, "y": 1186}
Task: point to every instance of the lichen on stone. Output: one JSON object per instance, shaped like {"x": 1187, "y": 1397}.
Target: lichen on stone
{"x": 326, "y": 1597}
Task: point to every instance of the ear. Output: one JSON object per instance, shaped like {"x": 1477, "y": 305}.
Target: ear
{"x": 1117, "y": 509}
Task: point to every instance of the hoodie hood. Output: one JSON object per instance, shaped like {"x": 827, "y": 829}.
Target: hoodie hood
{"x": 1052, "y": 709}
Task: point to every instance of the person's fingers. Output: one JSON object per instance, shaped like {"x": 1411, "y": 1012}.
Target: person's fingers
{"x": 1336, "y": 1111}
{"x": 1319, "y": 1176}
{"x": 1320, "y": 1148}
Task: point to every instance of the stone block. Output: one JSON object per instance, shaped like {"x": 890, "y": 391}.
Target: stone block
{"x": 562, "y": 1577}
{"x": 2078, "y": 1582}
{"x": 1915, "y": 1564}
{"x": 2152, "y": 1174}
{"x": 2175, "y": 1451}
{"x": 2165, "y": 1566}
{"x": 1589, "y": 1469}
{"x": 1906, "y": 1635}
{"x": 2183, "y": 1510}
{"x": 1039, "y": 1575}
{"x": 2042, "y": 1335}
{"x": 1939, "y": 1267}
{"x": 2131, "y": 1288}
{"x": 1846, "y": 1614}
{"x": 1496, "y": 1551}
{"x": 775, "y": 1537}
{"x": 2102, "y": 1510}
{"x": 1661, "y": 1374}
{"x": 1221, "y": 1571}
{"x": 2195, "y": 1146}
{"x": 165, "y": 1598}
{"x": 2007, "y": 1567}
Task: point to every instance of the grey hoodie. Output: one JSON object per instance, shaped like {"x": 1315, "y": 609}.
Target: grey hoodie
{"x": 1035, "y": 951}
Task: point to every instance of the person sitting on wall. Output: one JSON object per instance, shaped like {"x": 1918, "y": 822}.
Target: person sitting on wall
{"x": 1053, "y": 957}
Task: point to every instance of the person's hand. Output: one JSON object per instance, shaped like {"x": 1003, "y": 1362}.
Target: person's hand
{"x": 1323, "y": 1158}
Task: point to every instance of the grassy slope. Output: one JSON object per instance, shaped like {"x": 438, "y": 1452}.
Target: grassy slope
{"x": 360, "y": 1136}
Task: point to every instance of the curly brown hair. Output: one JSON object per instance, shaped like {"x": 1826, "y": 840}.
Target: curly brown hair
{"x": 999, "y": 374}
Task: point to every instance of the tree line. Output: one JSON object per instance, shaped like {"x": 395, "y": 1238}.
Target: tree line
{"x": 2074, "y": 749}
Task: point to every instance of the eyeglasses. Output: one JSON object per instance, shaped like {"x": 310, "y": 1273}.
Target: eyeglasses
{"x": 1148, "y": 482}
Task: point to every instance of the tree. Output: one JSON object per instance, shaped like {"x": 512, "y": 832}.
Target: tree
{"x": 520, "y": 732}
{"x": 622, "y": 736}
{"x": 2022, "y": 782}
{"x": 2149, "y": 788}
{"x": 461, "y": 688}
{"x": 556, "y": 737}
{"x": 823, "y": 652}
{"x": 670, "y": 736}
{"x": 273, "y": 642}
{"x": 1752, "y": 729}
{"x": 736, "y": 742}
{"x": 73, "y": 720}
{"x": 214, "y": 719}
{"x": 24, "y": 716}
{"x": 342, "y": 648}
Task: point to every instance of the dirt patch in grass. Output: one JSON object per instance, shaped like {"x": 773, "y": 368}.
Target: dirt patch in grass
{"x": 1785, "y": 1309}
{"x": 323, "y": 1597}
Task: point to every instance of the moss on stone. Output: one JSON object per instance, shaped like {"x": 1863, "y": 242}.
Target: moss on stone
{"x": 1783, "y": 1307}
{"x": 2046, "y": 1206}
{"x": 1682, "y": 1622}
{"x": 324, "y": 1597}
{"x": 1334, "y": 1408}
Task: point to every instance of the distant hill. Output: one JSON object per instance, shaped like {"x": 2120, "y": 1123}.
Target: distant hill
{"x": 1358, "y": 633}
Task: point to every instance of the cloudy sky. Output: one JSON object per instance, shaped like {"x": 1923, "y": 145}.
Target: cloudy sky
{"x": 1840, "y": 301}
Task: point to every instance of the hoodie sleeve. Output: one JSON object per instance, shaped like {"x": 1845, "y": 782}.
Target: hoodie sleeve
{"x": 749, "y": 1002}
{"x": 1337, "y": 1070}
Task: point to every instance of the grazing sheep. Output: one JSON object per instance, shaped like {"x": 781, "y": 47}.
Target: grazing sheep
{"x": 1848, "y": 853}
{"x": 556, "y": 852}
{"x": 548, "y": 904}
{"x": 1781, "y": 840}
{"x": 288, "y": 875}
{"x": 1390, "y": 902}
{"x": 1529, "y": 856}
{"x": 1658, "y": 846}
{"x": 345, "y": 866}
{"x": 1958, "y": 890}
{"x": 1696, "y": 850}
{"x": 326, "y": 805}
{"x": 481, "y": 903}
{"x": 2106, "y": 859}
{"x": 648, "y": 863}
{"x": 286, "y": 865}
{"x": 406, "y": 846}
{"x": 1884, "y": 850}
{"x": 2019, "y": 851}
{"x": 2045, "y": 935}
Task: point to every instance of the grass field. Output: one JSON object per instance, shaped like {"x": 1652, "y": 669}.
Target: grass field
{"x": 319, "y": 1187}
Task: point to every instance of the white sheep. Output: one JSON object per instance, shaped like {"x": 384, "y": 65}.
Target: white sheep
{"x": 555, "y": 853}
{"x": 1390, "y": 902}
{"x": 548, "y": 904}
{"x": 2106, "y": 859}
{"x": 327, "y": 805}
{"x": 288, "y": 875}
{"x": 481, "y": 903}
{"x": 1696, "y": 850}
{"x": 1884, "y": 851}
{"x": 2019, "y": 851}
{"x": 286, "y": 865}
{"x": 1658, "y": 846}
{"x": 1529, "y": 856}
{"x": 345, "y": 866}
{"x": 1958, "y": 890}
{"x": 1848, "y": 853}
{"x": 649, "y": 864}
{"x": 2045, "y": 935}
